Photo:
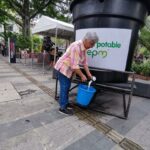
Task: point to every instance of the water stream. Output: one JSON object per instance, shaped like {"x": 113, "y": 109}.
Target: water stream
{"x": 90, "y": 82}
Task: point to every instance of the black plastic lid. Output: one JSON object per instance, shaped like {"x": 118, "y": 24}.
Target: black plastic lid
{"x": 74, "y": 3}
{"x": 147, "y": 3}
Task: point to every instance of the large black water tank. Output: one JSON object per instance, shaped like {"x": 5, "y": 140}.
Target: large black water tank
{"x": 120, "y": 14}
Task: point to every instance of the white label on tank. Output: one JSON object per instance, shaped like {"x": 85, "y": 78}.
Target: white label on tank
{"x": 111, "y": 51}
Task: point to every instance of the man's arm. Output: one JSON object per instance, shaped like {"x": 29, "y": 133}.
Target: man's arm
{"x": 86, "y": 68}
{"x": 82, "y": 76}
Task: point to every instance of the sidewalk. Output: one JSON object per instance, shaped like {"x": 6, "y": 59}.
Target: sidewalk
{"x": 29, "y": 117}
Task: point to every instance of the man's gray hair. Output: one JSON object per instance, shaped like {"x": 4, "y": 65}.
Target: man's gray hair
{"x": 91, "y": 36}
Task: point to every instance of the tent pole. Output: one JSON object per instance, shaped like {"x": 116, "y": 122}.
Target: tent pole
{"x": 55, "y": 45}
{"x": 54, "y": 76}
{"x": 9, "y": 49}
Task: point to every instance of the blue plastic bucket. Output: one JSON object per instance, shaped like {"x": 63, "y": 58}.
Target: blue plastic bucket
{"x": 85, "y": 94}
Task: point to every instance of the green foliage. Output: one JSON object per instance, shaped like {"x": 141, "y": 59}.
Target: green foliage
{"x": 145, "y": 38}
{"x": 143, "y": 47}
{"x": 142, "y": 68}
{"x": 137, "y": 67}
{"x": 147, "y": 23}
{"x": 37, "y": 43}
{"x": 59, "y": 10}
{"x": 11, "y": 35}
{"x": 59, "y": 42}
{"x": 22, "y": 42}
{"x": 22, "y": 12}
{"x": 145, "y": 52}
{"x": 142, "y": 50}
{"x": 146, "y": 68}
{"x": 5, "y": 35}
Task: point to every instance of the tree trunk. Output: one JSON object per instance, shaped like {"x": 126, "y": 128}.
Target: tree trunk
{"x": 5, "y": 33}
{"x": 26, "y": 18}
{"x": 26, "y": 26}
{"x": 26, "y": 23}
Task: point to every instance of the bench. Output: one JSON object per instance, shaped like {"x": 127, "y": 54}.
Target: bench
{"x": 122, "y": 86}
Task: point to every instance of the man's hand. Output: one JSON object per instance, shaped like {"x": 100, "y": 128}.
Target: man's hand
{"x": 90, "y": 76}
{"x": 83, "y": 78}
{"x": 88, "y": 72}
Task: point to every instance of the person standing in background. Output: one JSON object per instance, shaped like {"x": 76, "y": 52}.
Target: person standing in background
{"x": 47, "y": 43}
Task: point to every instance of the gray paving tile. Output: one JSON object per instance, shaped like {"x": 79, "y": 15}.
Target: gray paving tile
{"x": 27, "y": 141}
{"x": 13, "y": 129}
{"x": 143, "y": 105}
{"x": 104, "y": 144}
{"x": 21, "y": 126}
{"x": 45, "y": 118}
{"x": 93, "y": 141}
{"x": 141, "y": 133}
{"x": 124, "y": 126}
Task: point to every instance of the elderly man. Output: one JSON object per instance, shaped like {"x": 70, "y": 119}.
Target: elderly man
{"x": 68, "y": 64}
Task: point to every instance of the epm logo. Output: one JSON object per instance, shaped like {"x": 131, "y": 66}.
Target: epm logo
{"x": 103, "y": 53}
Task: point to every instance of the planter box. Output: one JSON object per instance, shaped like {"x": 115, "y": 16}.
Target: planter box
{"x": 142, "y": 87}
{"x": 137, "y": 76}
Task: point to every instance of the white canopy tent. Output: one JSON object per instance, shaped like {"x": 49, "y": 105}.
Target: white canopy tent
{"x": 53, "y": 27}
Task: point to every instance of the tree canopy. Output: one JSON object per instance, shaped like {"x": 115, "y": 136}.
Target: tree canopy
{"x": 22, "y": 11}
